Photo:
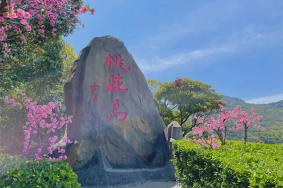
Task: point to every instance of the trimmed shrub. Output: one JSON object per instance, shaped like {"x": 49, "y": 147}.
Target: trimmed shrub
{"x": 234, "y": 165}
{"x": 43, "y": 174}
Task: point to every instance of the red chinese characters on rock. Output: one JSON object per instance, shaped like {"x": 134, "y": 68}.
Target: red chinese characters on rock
{"x": 116, "y": 84}
{"x": 114, "y": 61}
{"x": 120, "y": 116}
{"x": 94, "y": 86}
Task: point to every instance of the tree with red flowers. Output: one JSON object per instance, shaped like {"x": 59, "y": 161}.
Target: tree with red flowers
{"x": 31, "y": 38}
{"x": 34, "y": 21}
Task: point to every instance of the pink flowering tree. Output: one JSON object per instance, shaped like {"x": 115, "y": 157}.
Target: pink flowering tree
{"x": 246, "y": 120}
{"x": 217, "y": 125}
{"x": 227, "y": 120}
{"x": 43, "y": 129}
{"x": 203, "y": 137}
{"x": 33, "y": 21}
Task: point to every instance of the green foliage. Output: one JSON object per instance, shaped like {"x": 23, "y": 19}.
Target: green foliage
{"x": 167, "y": 114}
{"x": 40, "y": 174}
{"x": 34, "y": 63}
{"x": 153, "y": 84}
{"x": 187, "y": 126}
{"x": 45, "y": 88}
{"x": 179, "y": 100}
{"x": 233, "y": 165}
{"x": 7, "y": 162}
{"x": 51, "y": 87}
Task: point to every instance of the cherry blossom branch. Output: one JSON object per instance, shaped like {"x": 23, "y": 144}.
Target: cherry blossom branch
{"x": 43, "y": 126}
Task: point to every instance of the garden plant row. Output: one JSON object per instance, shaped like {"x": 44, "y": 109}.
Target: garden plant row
{"x": 17, "y": 173}
{"x": 233, "y": 165}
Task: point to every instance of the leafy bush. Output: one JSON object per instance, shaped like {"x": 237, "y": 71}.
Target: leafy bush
{"x": 233, "y": 165}
{"x": 42, "y": 174}
{"x": 7, "y": 162}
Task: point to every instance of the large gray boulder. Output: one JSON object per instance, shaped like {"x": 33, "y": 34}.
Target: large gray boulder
{"x": 117, "y": 127}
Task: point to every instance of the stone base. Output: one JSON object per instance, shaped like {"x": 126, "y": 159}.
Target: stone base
{"x": 98, "y": 175}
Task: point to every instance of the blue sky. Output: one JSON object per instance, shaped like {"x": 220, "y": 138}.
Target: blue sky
{"x": 234, "y": 45}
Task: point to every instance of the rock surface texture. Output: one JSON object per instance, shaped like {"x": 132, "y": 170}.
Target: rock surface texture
{"x": 119, "y": 131}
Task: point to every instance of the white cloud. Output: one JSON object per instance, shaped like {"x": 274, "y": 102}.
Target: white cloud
{"x": 240, "y": 41}
{"x": 266, "y": 100}
{"x": 158, "y": 64}
{"x": 197, "y": 24}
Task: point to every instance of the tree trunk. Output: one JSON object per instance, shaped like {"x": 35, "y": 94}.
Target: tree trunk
{"x": 222, "y": 140}
{"x": 224, "y": 136}
{"x": 181, "y": 119}
{"x": 220, "y": 136}
{"x": 245, "y": 133}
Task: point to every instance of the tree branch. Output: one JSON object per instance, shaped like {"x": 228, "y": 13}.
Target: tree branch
{"x": 185, "y": 118}
{"x": 174, "y": 107}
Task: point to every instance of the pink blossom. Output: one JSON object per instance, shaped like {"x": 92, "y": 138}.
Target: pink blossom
{"x": 28, "y": 27}
{"x": 61, "y": 150}
{"x": 42, "y": 120}
{"x": 23, "y": 22}
{"x": 92, "y": 11}
{"x": 84, "y": 9}
{"x": 10, "y": 101}
{"x": 202, "y": 142}
{"x": 38, "y": 154}
{"x": 198, "y": 130}
{"x": 212, "y": 142}
{"x": 52, "y": 13}
{"x": 23, "y": 39}
{"x": 218, "y": 125}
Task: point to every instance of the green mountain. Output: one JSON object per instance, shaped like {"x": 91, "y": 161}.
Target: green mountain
{"x": 272, "y": 122}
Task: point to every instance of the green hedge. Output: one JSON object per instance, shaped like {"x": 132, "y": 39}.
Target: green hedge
{"x": 233, "y": 165}
{"x": 42, "y": 174}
